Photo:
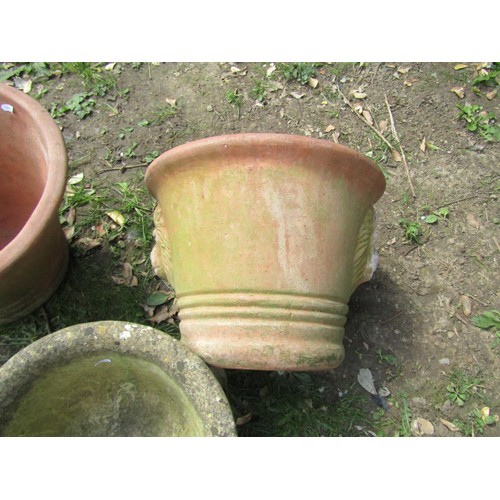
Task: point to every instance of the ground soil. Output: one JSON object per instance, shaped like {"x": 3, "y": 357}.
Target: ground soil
{"x": 412, "y": 307}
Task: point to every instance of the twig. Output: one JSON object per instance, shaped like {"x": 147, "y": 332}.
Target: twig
{"x": 410, "y": 250}
{"x": 459, "y": 200}
{"x": 496, "y": 243}
{"x": 123, "y": 168}
{"x": 456, "y": 315}
{"x": 475, "y": 298}
{"x": 391, "y": 318}
{"x": 46, "y": 318}
{"x": 395, "y": 134}
{"x": 366, "y": 122}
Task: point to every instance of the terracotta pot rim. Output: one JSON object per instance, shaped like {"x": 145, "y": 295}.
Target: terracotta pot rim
{"x": 53, "y": 142}
{"x": 194, "y": 149}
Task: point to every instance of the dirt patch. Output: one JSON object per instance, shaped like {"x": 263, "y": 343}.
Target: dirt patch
{"x": 411, "y": 325}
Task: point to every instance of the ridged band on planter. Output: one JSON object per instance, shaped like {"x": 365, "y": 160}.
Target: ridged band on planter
{"x": 33, "y": 168}
{"x": 264, "y": 237}
{"x": 111, "y": 378}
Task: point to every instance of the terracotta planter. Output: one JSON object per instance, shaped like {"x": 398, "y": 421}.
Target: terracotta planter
{"x": 33, "y": 163}
{"x": 264, "y": 237}
{"x": 111, "y": 378}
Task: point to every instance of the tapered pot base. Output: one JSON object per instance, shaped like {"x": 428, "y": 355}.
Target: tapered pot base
{"x": 264, "y": 331}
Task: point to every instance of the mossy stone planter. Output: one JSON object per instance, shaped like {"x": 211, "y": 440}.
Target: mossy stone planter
{"x": 264, "y": 238}
{"x": 111, "y": 378}
{"x": 33, "y": 167}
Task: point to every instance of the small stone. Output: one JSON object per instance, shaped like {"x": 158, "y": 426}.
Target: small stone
{"x": 419, "y": 400}
{"x": 210, "y": 108}
{"x": 444, "y": 361}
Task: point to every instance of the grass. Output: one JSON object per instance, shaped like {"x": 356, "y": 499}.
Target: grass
{"x": 95, "y": 78}
{"x": 234, "y": 98}
{"x": 294, "y": 404}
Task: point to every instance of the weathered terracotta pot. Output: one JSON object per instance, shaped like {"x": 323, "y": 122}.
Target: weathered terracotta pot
{"x": 264, "y": 237}
{"x": 111, "y": 378}
{"x": 33, "y": 167}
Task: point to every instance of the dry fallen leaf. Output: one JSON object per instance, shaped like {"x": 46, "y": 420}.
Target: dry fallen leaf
{"x": 297, "y": 95}
{"x": 71, "y": 216}
{"x": 383, "y": 126}
{"x": 365, "y": 380}
{"x": 451, "y": 426}
{"x": 100, "y": 229}
{"x": 460, "y": 66}
{"x": 395, "y": 155}
{"x": 360, "y": 95}
{"x": 88, "y": 243}
{"x": 459, "y": 91}
{"x": 270, "y": 70}
{"x": 404, "y": 70}
{"x": 75, "y": 179}
{"x": 473, "y": 221}
{"x": 164, "y": 313}
{"x": 329, "y": 128}
{"x": 244, "y": 419}
{"x": 368, "y": 116}
{"x": 410, "y": 81}
{"x": 69, "y": 232}
{"x": 423, "y": 145}
{"x": 117, "y": 217}
{"x": 491, "y": 95}
{"x": 171, "y": 102}
{"x": 466, "y": 304}
{"x": 312, "y": 82}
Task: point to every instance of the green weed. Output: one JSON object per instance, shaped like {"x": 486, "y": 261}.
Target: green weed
{"x": 296, "y": 71}
{"x": 490, "y": 77}
{"x": 386, "y": 358}
{"x": 412, "y": 231}
{"x": 81, "y": 105}
{"x": 476, "y": 422}
{"x": 462, "y": 386}
{"x": 489, "y": 320}
{"x": 234, "y": 97}
{"x": 259, "y": 91}
{"x": 480, "y": 122}
{"x": 436, "y": 215}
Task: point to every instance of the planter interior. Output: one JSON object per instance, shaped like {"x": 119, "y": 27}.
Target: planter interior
{"x": 111, "y": 379}
{"x": 264, "y": 237}
{"x": 33, "y": 165}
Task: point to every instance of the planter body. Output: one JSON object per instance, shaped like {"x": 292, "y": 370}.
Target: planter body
{"x": 107, "y": 379}
{"x": 264, "y": 237}
{"x": 33, "y": 167}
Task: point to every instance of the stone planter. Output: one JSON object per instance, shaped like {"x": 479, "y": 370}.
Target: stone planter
{"x": 111, "y": 379}
{"x": 33, "y": 164}
{"x": 264, "y": 237}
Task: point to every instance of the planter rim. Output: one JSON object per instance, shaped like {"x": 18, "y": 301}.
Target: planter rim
{"x": 129, "y": 339}
{"x": 57, "y": 162}
{"x": 212, "y": 145}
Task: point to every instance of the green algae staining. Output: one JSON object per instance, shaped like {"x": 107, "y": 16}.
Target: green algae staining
{"x": 105, "y": 395}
